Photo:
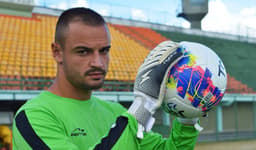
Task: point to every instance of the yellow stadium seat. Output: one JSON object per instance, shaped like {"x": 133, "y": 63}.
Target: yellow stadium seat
{"x": 30, "y": 39}
{"x": 125, "y": 55}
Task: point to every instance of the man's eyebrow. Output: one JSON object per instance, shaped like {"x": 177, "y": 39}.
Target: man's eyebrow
{"x": 106, "y": 47}
{"x": 82, "y": 47}
{"x": 88, "y": 48}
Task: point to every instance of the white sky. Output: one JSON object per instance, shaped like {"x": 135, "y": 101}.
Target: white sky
{"x": 223, "y": 19}
{"x": 228, "y": 16}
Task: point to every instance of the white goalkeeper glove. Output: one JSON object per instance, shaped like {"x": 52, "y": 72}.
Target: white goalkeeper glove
{"x": 151, "y": 81}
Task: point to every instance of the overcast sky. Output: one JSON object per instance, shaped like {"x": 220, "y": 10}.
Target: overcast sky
{"x": 228, "y": 16}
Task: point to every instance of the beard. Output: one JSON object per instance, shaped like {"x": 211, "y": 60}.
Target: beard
{"x": 84, "y": 82}
{"x": 86, "y": 86}
{"x": 81, "y": 84}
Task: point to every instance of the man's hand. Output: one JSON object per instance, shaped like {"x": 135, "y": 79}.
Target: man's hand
{"x": 151, "y": 81}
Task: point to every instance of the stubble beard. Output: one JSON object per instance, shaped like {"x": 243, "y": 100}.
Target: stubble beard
{"x": 86, "y": 86}
{"x": 79, "y": 81}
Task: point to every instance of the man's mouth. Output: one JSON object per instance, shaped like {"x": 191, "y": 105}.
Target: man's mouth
{"x": 96, "y": 74}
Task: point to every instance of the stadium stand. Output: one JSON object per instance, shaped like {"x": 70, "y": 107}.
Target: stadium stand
{"x": 150, "y": 35}
{"x": 124, "y": 64}
{"x": 26, "y": 61}
{"x": 145, "y": 36}
{"x": 25, "y": 50}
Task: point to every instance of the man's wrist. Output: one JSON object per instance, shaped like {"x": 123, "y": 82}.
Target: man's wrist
{"x": 143, "y": 108}
{"x": 149, "y": 102}
{"x": 142, "y": 114}
{"x": 190, "y": 122}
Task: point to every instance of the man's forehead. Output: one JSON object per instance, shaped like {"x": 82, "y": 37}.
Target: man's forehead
{"x": 86, "y": 24}
{"x": 80, "y": 27}
{"x": 88, "y": 36}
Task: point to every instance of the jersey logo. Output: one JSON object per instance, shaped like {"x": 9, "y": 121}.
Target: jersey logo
{"x": 78, "y": 132}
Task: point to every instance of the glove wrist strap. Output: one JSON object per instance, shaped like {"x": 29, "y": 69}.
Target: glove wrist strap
{"x": 141, "y": 108}
{"x": 142, "y": 114}
{"x": 193, "y": 121}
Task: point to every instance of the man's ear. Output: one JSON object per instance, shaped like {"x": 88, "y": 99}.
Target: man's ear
{"x": 57, "y": 53}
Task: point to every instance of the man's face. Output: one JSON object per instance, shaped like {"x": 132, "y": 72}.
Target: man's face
{"x": 86, "y": 55}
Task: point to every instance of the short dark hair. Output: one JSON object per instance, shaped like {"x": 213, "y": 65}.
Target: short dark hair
{"x": 85, "y": 15}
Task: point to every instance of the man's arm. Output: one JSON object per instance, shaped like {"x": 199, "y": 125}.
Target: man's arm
{"x": 124, "y": 136}
{"x": 182, "y": 137}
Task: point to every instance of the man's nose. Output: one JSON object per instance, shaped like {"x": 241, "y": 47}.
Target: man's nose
{"x": 96, "y": 60}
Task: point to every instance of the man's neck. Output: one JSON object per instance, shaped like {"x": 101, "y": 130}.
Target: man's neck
{"x": 69, "y": 91}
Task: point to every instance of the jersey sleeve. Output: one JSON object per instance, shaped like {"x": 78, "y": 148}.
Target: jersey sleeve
{"x": 181, "y": 138}
{"x": 124, "y": 136}
{"x": 39, "y": 129}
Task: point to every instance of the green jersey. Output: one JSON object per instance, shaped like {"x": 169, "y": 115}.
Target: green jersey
{"x": 49, "y": 121}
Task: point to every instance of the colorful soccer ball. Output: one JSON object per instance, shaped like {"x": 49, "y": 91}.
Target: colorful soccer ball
{"x": 196, "y": 83}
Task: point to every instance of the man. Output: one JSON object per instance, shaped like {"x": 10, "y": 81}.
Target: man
{"x": 67, "y": 116}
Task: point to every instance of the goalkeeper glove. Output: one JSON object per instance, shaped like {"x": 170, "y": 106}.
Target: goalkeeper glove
{"x": 150, "y": 83}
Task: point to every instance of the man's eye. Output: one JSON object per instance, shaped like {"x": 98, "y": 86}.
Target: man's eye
{"x": 105, "y": 50}
{"x": 82, "y": 52}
